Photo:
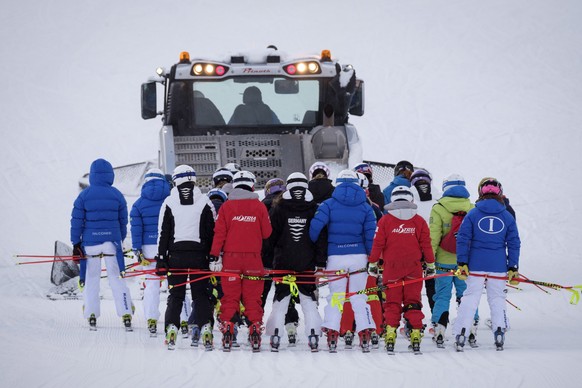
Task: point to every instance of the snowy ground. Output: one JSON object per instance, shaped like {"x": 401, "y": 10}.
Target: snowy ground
{"x": 476, "y": 88}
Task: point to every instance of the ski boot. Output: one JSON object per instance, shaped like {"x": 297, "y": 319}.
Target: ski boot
{"x": 332, "y": 337}
{"x": 195, "y": 336}
{"x": 415, "y": 339}
{"x": 171, "y": 333}
{"x": 364, "y": 340}
{"x": 313, "y": 341}
{"x": 375, "y": 340}
{"x": 92, "y": 323}
{"x": 207, "y": 337}
{"x": 153, "y": 327}
{"x": 291, "y": 328}
{"x": 235, "y": 343}
{"x": 460, "y": 341}
{"x": 126, "y": 318}
{"x": 439, "y": 335}
{"x": 255, "y": 336}
{"x": 499, "y": 335}
{"x": 349, "y": 339}
{"x": 390, "y": 339}
{"x": 275, "y": 341}
{"x": 473, "y": 335}
{"x": 227, "y": 329}
{"x": 184, "y": 329}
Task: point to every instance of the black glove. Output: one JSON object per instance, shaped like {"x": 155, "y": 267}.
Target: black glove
{"x": 78, "y": 251}
{"x": 162, "y": 266}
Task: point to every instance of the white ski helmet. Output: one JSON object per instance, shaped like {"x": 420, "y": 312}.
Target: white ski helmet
{"x": 295, "y": 180}
{"x": 347, "y": 176}
{"x": 232, "y": 167}
{"x": 319, "y": 166}
{"x": 222, "y": 174}
{"x": 401, "y": 193}
{"x": 153, "y": 173}
{"x": 244, "y": 178}
{"x": 453, "y": 180}
{"x": 217, "y": 193}
{"x": 183, "y": 174}
{"x": 363, "y": 180}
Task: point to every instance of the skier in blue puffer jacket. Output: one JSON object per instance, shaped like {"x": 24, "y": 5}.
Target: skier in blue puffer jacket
{"x": 98, "y": 227}
{"x": 351, "y": 225}
{"x": 488, "y": 246}
{"x": 144, "y": 217}
{"x": 402, "y": 173}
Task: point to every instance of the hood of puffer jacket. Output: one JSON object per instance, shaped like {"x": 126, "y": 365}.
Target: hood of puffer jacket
{"x": 402, "y": 210}
{"x": 101, "y": 173}
{"x": 349, "y": 194}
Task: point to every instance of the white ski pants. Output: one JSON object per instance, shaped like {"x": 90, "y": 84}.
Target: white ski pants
{"x": 121, "y": 295}
{"x": 472, "y": 296}
{"x": 151, "y": 291}
{"x": 362, "y": 313}
{"x": 308, "y": 305}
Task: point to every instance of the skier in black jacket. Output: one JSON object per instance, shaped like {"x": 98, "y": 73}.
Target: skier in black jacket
{"x": 186, "y": 230}
{"x": 293, "y": 250}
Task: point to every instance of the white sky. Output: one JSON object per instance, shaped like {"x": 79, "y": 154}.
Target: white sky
{"x": 478, "y": 88}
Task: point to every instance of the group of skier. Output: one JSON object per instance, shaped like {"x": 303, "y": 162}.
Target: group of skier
{"x": 374, "y": 247}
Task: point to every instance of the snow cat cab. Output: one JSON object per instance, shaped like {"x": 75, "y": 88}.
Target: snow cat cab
{"x": 269, "y": 114}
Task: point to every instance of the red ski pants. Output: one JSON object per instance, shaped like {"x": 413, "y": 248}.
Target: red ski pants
{"x": 236, "y": 289}
{"x": 405, "y": 298}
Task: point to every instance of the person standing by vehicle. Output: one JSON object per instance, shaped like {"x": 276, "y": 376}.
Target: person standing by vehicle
{"x": 351, "y": 223}
{"x": 144, "y": 217}
{"x": 488, "y": 247}
{"x": 454, "y": 203}
{"x": 186, "y": 225}
{"x": 402, "y": 172}
{"x": 242, "y": 225}
{"x": 98, "y": 228}
{"x": 293, "y": 250}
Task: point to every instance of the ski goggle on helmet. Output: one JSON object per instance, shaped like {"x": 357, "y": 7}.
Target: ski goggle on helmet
{"x": 490, "y": 186}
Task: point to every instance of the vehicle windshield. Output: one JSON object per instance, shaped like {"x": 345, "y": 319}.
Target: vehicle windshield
{"x": 256, "y": 101}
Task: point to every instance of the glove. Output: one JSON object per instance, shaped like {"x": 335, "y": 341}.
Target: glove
{"x": 78, "y": 251}
{"x": 462, "y": 271}
{"x": 430, "y": 269}
{"x": 162, "y": 266}
{"x": 512, "y": 276}
{"x": 215, "y": 264}
{"x": 373, "y": 269}
{"x": 140, "y": 257}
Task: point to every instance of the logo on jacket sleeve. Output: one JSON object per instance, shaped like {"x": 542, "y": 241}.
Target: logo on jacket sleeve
{"x": 402, "y": 230}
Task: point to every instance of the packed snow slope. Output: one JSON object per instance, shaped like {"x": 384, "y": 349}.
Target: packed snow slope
{"x": 480, "y": 88}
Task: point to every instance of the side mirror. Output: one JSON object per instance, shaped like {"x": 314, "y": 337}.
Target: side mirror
{"x": 286, "y": 86}
{"x": 148, "y": 101}
{"x": 357, "y": 104}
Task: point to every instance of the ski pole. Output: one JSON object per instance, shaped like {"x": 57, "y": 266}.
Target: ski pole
{"x": 338, "y": 295}
{"x": 574, "y": 299}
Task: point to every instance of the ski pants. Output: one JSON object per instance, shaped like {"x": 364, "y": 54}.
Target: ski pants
{"x": 236, "y": 289}
{"x": 279, "y": 310}
{"x": 121, "y": 294}
{"x": 362, "y": 313}
{"x": 347, "y": 322}
{"x": 472, "y": 296}
{"x": 151, "y": 284}
{"x": 199, "y": 290}
{"x": 444, "y": 291}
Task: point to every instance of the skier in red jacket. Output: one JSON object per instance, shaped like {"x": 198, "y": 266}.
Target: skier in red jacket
{"x": 402, "y": 239}
{"x": 242, "y": 224}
